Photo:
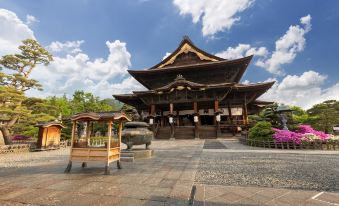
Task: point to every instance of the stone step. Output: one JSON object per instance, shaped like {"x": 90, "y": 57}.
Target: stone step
{"x": 126, "y": 159}
{"x": 127, "y": 154}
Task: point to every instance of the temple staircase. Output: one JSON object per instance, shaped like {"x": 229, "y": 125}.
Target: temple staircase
{"x": 207, "y": 132}
{"x": 163, "y": 133}
{"x": 184, "y": 132}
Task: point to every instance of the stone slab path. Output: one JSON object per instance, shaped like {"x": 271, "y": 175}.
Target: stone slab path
{"x": 165, "y": 179}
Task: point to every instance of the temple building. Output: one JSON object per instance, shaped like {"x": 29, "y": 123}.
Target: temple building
{"x": 194, "y": 94}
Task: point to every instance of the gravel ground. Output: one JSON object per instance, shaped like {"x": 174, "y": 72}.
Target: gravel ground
{"x": 297, "y": 171}
{"x": 31, "y": 159}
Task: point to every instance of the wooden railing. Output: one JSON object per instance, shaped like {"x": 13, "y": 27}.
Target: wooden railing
{"x": 315, "y": 145}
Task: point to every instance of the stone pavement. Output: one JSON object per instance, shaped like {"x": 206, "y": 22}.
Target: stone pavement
{"x": 216, "y": 195}
{"x": 165, "y": 179}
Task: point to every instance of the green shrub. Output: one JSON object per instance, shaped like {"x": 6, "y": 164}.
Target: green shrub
{"x": 261, "y": 131}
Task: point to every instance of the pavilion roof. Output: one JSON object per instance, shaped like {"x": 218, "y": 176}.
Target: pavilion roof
{"x": 100, "y": 116}
{"x": 50, "y": 124}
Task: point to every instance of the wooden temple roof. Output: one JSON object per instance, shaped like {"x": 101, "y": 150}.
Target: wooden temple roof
{"x": 186, "y": 53}
{"x": 189, "y": 60}
{"x": 203, "y": 73}
{"x": 184, "y": 92}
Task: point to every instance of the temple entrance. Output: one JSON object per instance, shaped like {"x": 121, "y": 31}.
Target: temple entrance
{"x": 206, "y": 120}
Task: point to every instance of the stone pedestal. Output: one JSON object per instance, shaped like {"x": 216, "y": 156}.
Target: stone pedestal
{"x": 130, "y": 155}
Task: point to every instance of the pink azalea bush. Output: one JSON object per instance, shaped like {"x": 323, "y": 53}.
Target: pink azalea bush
{"x": 286, "y": 136}
{"x": 307, "y": 129}
{"x": 21, "y": 137}
{"x": 303, "y": 133}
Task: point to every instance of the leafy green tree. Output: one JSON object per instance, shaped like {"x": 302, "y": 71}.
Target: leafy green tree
{"x": 269, "y": 113}
{"x": 261, "y": 131}
{"x": 17, "y": 80}
{"x": 87, "y": 102}
{"x": 325, "y": 115}
{"x": 40, "y": 111}
{"x": 299, "y": 115}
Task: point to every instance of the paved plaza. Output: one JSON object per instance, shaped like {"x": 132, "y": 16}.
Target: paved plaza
{"x": 224, "y": 173}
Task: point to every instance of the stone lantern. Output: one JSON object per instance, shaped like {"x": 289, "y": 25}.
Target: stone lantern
{"x": 283, "y": 111}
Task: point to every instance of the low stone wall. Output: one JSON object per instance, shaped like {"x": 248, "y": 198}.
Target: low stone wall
{"x": 26, "y": 146}
{"x": 15, "y": 148}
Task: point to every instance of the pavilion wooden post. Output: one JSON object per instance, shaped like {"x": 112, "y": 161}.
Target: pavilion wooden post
{"x": 231, "y": 119}
{"x": 119, "y": 143}
{"x": 171, "y": 124}
{"x": 196, "y": 124}
{"x": 69, "y": 166}
{"x": 88, "y": 133}
{"x": 217, "y": 123}
{"x": 107, "y": 171}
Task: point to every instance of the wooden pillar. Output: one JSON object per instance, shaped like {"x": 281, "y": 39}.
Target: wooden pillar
{"x": 109, "y": 132}
{"x": 69, "y": 166}
{"x": 216, "y": 109}
{"x": 231, "y": 119}
{"x": 119, "y": 143}
{"x": 178, "y": 118}
{"x": 88, "y": 131}
{"x": 171, "y": 124}
{"x": 73, "y": 132}
{"x": 119, "y": 135}
{"x": 171, "y": 108}
{"x": 152, "y": 111}
{"x": 162, "y": 121}
{"x": 196, "y": 124}
{"x": 245, "y": 115}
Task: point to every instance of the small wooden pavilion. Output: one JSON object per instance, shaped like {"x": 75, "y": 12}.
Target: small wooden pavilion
{"x": 83, "y": 151}
{"x": 49, "y": 135}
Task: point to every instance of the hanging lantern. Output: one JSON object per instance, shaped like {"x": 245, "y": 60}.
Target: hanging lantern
{"x": 151, "y": 121}
{"x": 196, "y": 118}
{"x": 170, "y": 119}
{"x": 218, "y": 117}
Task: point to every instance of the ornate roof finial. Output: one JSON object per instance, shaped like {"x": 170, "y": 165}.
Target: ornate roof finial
{"x": 186, "y": 37}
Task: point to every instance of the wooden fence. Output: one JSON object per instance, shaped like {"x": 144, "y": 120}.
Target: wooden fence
{"x": 314, "y": 145}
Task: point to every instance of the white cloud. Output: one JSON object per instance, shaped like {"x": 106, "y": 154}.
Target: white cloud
{"x": 242, "y": 50}
{"x": 166, "y": 55}
{"x": 76, "y": 71}
{"x": 216, "y": 15}
{"x": 71, "y": 69}
{"x": 31, "y": 19}
{"x": 287, "y": 47}
{"x": 66, "y": 47}
{"x": 12, "y": 32}
{"x": 304, "y": 90}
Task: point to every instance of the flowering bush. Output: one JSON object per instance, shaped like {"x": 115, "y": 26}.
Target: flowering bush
{"x": 309, "y": 137}
{"x": 21, "y": 137}
{"x": 303, "y": 133}
{"x": 333, "y": 138}
{"x": 307, "y": 129}
{"x": 286, "y": 136}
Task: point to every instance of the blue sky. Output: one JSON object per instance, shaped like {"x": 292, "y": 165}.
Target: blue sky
{"x": 147, "y": 29}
